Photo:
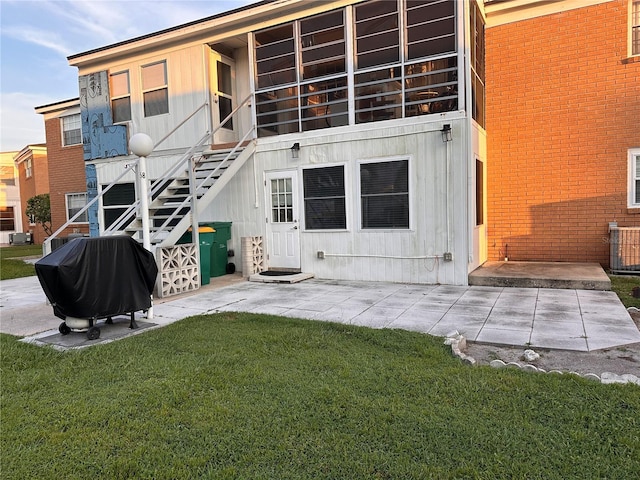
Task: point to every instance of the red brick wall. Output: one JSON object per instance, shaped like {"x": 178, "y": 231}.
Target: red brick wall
{"x": 66, "y": 175}
{"x": 563, "y": 107}
{"x": 37, "y": 184}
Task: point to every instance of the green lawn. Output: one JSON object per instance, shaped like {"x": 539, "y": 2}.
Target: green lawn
{"x": 623, "y": 285}
{"x": 10, "y": 264}
{"x": 241, "y": 396}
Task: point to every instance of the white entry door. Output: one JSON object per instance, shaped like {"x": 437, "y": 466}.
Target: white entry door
{"x": 223, "y": 98}
{"x": 283, "y": 233}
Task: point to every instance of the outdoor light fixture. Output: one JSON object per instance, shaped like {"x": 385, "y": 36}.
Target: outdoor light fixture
{"x": 295, "y": 150}
{"x": 446, "y": 133}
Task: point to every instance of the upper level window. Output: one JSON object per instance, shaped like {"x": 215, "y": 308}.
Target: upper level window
{"x": 120, "y": 97}
{"x": 324, "y": 198}
{"x": 7, "y": 219}
{"x": 635, "y": 27}
{"x": 634, "y": 178}
{"x": 155, "y": 92}
{"x": 477, "y": 64}
{"x": 71, "y": 130}
{"x": 28, "y": 168}
{"x": 75, "y": 203}
{"x": 384, "y": 194}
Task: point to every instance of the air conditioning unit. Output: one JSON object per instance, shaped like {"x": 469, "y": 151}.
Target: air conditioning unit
{"x": 624, "y": 243}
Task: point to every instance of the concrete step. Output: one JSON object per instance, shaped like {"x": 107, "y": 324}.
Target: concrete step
{"x": 583, "y": 276}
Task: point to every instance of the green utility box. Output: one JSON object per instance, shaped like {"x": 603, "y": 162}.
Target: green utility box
{"x": 207, "y": 236}
{"x": 219, "y": 253}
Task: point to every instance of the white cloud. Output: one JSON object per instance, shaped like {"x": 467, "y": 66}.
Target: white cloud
{"x": 20, "y": 125}
{"x": 37, "y": 36}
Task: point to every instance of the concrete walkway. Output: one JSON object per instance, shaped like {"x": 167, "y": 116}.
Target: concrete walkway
{"x": 580, "y": 320}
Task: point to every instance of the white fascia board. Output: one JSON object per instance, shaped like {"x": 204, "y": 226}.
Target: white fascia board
{"x": 510, "y": 11}
{"x": 67, "y": 107}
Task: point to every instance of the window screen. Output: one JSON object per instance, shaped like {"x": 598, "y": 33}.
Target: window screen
{"x": 384, "y": 194}
{"x": 324, "y": 198}
{"x": 116, "y": 201}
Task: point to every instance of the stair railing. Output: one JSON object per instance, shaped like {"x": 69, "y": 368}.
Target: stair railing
{"x": 188, "y": 201}
{"x": 179, "y": 166}
{"x": 46, "y": 245}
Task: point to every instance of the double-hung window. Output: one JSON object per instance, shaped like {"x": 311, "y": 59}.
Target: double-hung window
{"x": 635, "y": 27}
{"x": 120, "y": 97}
{"x": 634, "y": 178}
{"x": 76, "y": 202}
{"x": 28, "y": 168}
{"x": 7, "y": 219}
{"x": 71, "y": 130}
{"x": 155, "y": 92}
{"x": 384, "y": 194}
{"x": 324, "y": 198}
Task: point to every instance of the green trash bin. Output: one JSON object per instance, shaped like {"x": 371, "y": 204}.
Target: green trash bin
{"x": 219, "y": 254}
{"x": 206, "y": 235}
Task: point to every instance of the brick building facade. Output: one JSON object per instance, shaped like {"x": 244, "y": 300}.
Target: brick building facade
{"x": 33, "y": 178}
{"x": 67, "y": 181}
{"x": 563, "y": 113}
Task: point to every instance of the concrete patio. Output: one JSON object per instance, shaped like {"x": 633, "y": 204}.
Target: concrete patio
{"x": 569, "y": 319}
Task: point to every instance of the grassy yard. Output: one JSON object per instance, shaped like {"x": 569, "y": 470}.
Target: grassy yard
{"x": 10, "y": 264}
{"x": 622, "y": 285}
{"x": 243, "y": 396}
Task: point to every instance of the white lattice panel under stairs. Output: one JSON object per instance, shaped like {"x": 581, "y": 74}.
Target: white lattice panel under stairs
{"x": 625, "y": 249}
{"x": 252, "y": 256}
{"x": 179, "y": 271}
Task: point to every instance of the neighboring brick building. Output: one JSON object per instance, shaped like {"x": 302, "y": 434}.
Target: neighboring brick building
{"x": 67, "y": 182}
{"x": 10, "y": 217}
{"x": 33, "y": 172}
{"x": 563, "y": 127}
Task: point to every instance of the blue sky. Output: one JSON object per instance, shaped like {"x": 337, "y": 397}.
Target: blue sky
{"x": 38, "y": 35}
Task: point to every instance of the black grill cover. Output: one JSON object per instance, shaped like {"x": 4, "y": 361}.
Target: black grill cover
{"x": 98, "y": 277}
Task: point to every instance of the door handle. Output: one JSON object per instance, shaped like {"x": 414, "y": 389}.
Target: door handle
{"x": 295, "y": 227}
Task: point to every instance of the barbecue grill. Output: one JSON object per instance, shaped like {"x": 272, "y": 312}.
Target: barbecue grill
{"x": 89, "y": 279}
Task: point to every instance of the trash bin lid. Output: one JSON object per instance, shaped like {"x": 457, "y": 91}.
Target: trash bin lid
{"x": 204, "y": 230}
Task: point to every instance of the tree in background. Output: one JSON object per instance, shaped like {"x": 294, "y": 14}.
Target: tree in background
{"x": 39, "y": 209}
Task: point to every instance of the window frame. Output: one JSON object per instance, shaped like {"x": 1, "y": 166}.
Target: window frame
{"x": 409, "y": 193}
{"x": 345, "y": 179}
{"x": 634, "y": 178}
{"x": 115, "y": 98}
{"x": 154, "y": 89}
{"x": 64, "y": 130}
{"x": 6, "y": 219}
{"x": 444, "y": 84}
{"x": 634, "y": 27}
{"x": 28, "y": 168}
{"x": 70, "y": 214}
